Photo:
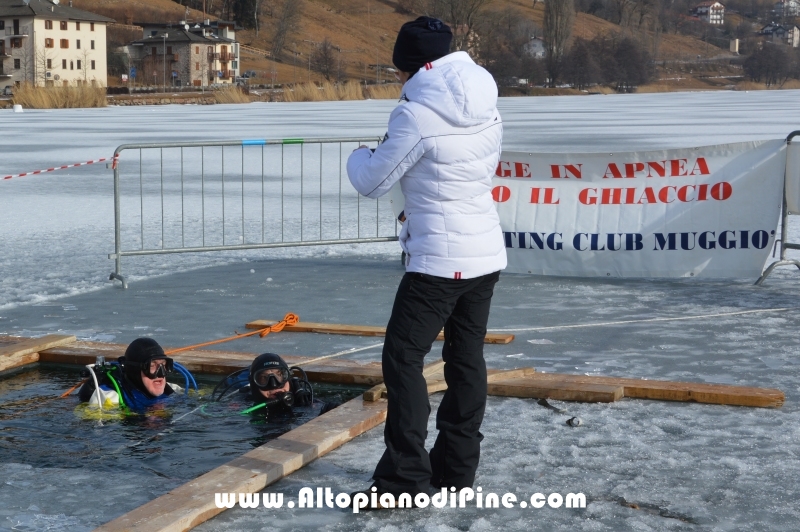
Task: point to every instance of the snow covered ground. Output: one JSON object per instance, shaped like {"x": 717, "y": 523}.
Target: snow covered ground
{"x": 686, "y": 466}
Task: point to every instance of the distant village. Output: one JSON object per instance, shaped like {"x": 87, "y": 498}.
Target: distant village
{"x": 51, "y": 43}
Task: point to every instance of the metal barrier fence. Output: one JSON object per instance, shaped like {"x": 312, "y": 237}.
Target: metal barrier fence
{"x": 244, "y": 194}
{"x": 785, "y": 212}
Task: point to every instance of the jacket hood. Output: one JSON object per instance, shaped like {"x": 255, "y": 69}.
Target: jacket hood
{"x": 456, "y": 89}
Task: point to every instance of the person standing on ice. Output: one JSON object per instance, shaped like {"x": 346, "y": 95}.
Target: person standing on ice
{"x": 443, "y": 145}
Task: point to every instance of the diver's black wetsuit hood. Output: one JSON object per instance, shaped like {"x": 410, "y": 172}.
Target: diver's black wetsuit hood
{"x": 266, "y": 360}
{"x": 141, "y": 351}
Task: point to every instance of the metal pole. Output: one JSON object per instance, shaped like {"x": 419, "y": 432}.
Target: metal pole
{"x": 117, "y": 221}
{"x": 165, "y": 62}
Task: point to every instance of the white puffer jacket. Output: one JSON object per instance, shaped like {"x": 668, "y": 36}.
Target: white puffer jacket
{"x": 443, "y": 146}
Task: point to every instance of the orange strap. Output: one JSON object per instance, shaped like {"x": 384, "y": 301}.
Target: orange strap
{"x": 289, "y": 319}
{"x": 65, "y": 394}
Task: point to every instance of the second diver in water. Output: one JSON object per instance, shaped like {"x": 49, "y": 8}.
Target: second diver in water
{"x": 274, "y": 387}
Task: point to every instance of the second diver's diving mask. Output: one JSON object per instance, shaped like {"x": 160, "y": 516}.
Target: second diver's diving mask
{"x": 271, "y": 378}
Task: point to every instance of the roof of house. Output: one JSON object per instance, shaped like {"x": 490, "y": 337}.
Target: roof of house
{"x": 708, "y": 4}
{"x": 47, "y": 8}
{"x": 214, "y": 24}
{"x": 772, "y": 28}
{"x": 178, "y": 36}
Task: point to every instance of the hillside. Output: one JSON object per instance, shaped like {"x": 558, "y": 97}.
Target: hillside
{"x": 364, "y": 31}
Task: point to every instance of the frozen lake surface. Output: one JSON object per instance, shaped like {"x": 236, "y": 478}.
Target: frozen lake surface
{"x": 686, "y": 466}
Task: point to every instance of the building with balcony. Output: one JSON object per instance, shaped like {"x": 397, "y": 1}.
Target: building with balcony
{"x": 711, "y": 12}
{"x": 197, "y": 54}
{"x": 788, "y": 34}
{"x": 46, "y": 42}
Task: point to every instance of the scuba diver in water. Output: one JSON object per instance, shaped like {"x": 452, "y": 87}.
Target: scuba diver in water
{"x": 274, "y": 387}
{"x": 137, "y": 380}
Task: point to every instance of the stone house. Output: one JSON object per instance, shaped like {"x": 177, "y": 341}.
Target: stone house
{"x": 184, "y": 54}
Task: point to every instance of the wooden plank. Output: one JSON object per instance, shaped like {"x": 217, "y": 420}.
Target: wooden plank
{"x": 431, "y": 372}
{"x": 359, "y": 330}
{"x": 224, "y": 362}
{"x": 26, "y": 351}
{"x": 352, "y": 372}
{"x": 193, "y": 503}
{"x": 530, "y": 386}
{"x": 436, "y": 382}
{"x": 700, "y": 392}
{"x": 493, "y": 375}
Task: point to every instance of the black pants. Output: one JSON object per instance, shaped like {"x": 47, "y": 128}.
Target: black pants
{"x": 423, "y": 305}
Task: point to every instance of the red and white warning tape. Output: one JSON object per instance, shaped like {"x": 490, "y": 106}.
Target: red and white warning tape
{"x": 63, "y": 167}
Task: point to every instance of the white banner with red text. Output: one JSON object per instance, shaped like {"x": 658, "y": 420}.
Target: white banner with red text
{"x": 710, "y": 211}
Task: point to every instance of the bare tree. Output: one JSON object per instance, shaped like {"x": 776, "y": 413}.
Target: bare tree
{"x": 287, "y": 22}
{"x": 558, "y": 19}
{"x": 27, "y": 63}
{"x": 406, "y": 7}
{"x": 42, "y": 58}
{"x": 85, "y": 64}
{"x": 772, "y": 64}
{"x": 462, "y": 15}
{"x": 323, "y": 59}
{"x": 580, "y": 67}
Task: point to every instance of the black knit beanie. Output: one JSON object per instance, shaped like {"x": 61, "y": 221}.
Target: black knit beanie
{"x": 141, "y": 351}
{"x": 421, "y": 41}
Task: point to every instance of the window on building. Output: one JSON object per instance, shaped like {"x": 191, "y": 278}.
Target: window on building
{"x": 17, "y": 64}
{"x": 78, "y": 44}
{"x": 79, "y": 64}
{"x": 48, "y": 24}
{"x": 91, "y": 45}
{"x": 92, "y": 64}
{"x": 16, "y": 42}
{"x": 91, "y": 26}
{"x": 2, "y": 24}
{"x": 78, "y": 26}
{"x": 169, "y": 50}
{"x": 49, "y": 43}
{"x": 49, "y": 64}
{"x": 153, "y": 51}
{"x": 64, "y": 43}
{"x": 72, "y": 65}
{"x": 197, "y": 66}
{"x": 234, "y": 64}
{"x": 63, "y": 24}
{"x": 197, "y": 49}
{"x": 64, "y": 64}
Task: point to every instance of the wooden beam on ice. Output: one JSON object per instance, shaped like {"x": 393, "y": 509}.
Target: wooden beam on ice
{"x": 563, "y": 387}
{"x": 432, "y": 372}
{"x": 193, "y": 503}
{"x": 359, "y": 330}
{"x": 20, "y": 351}
{"x": 700, "y": 392}
{"x": 587, "y": 388}
{"x": 436, "y": 382}
{"x": 224, "y": 362}
{"x": 554, "y": 389}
